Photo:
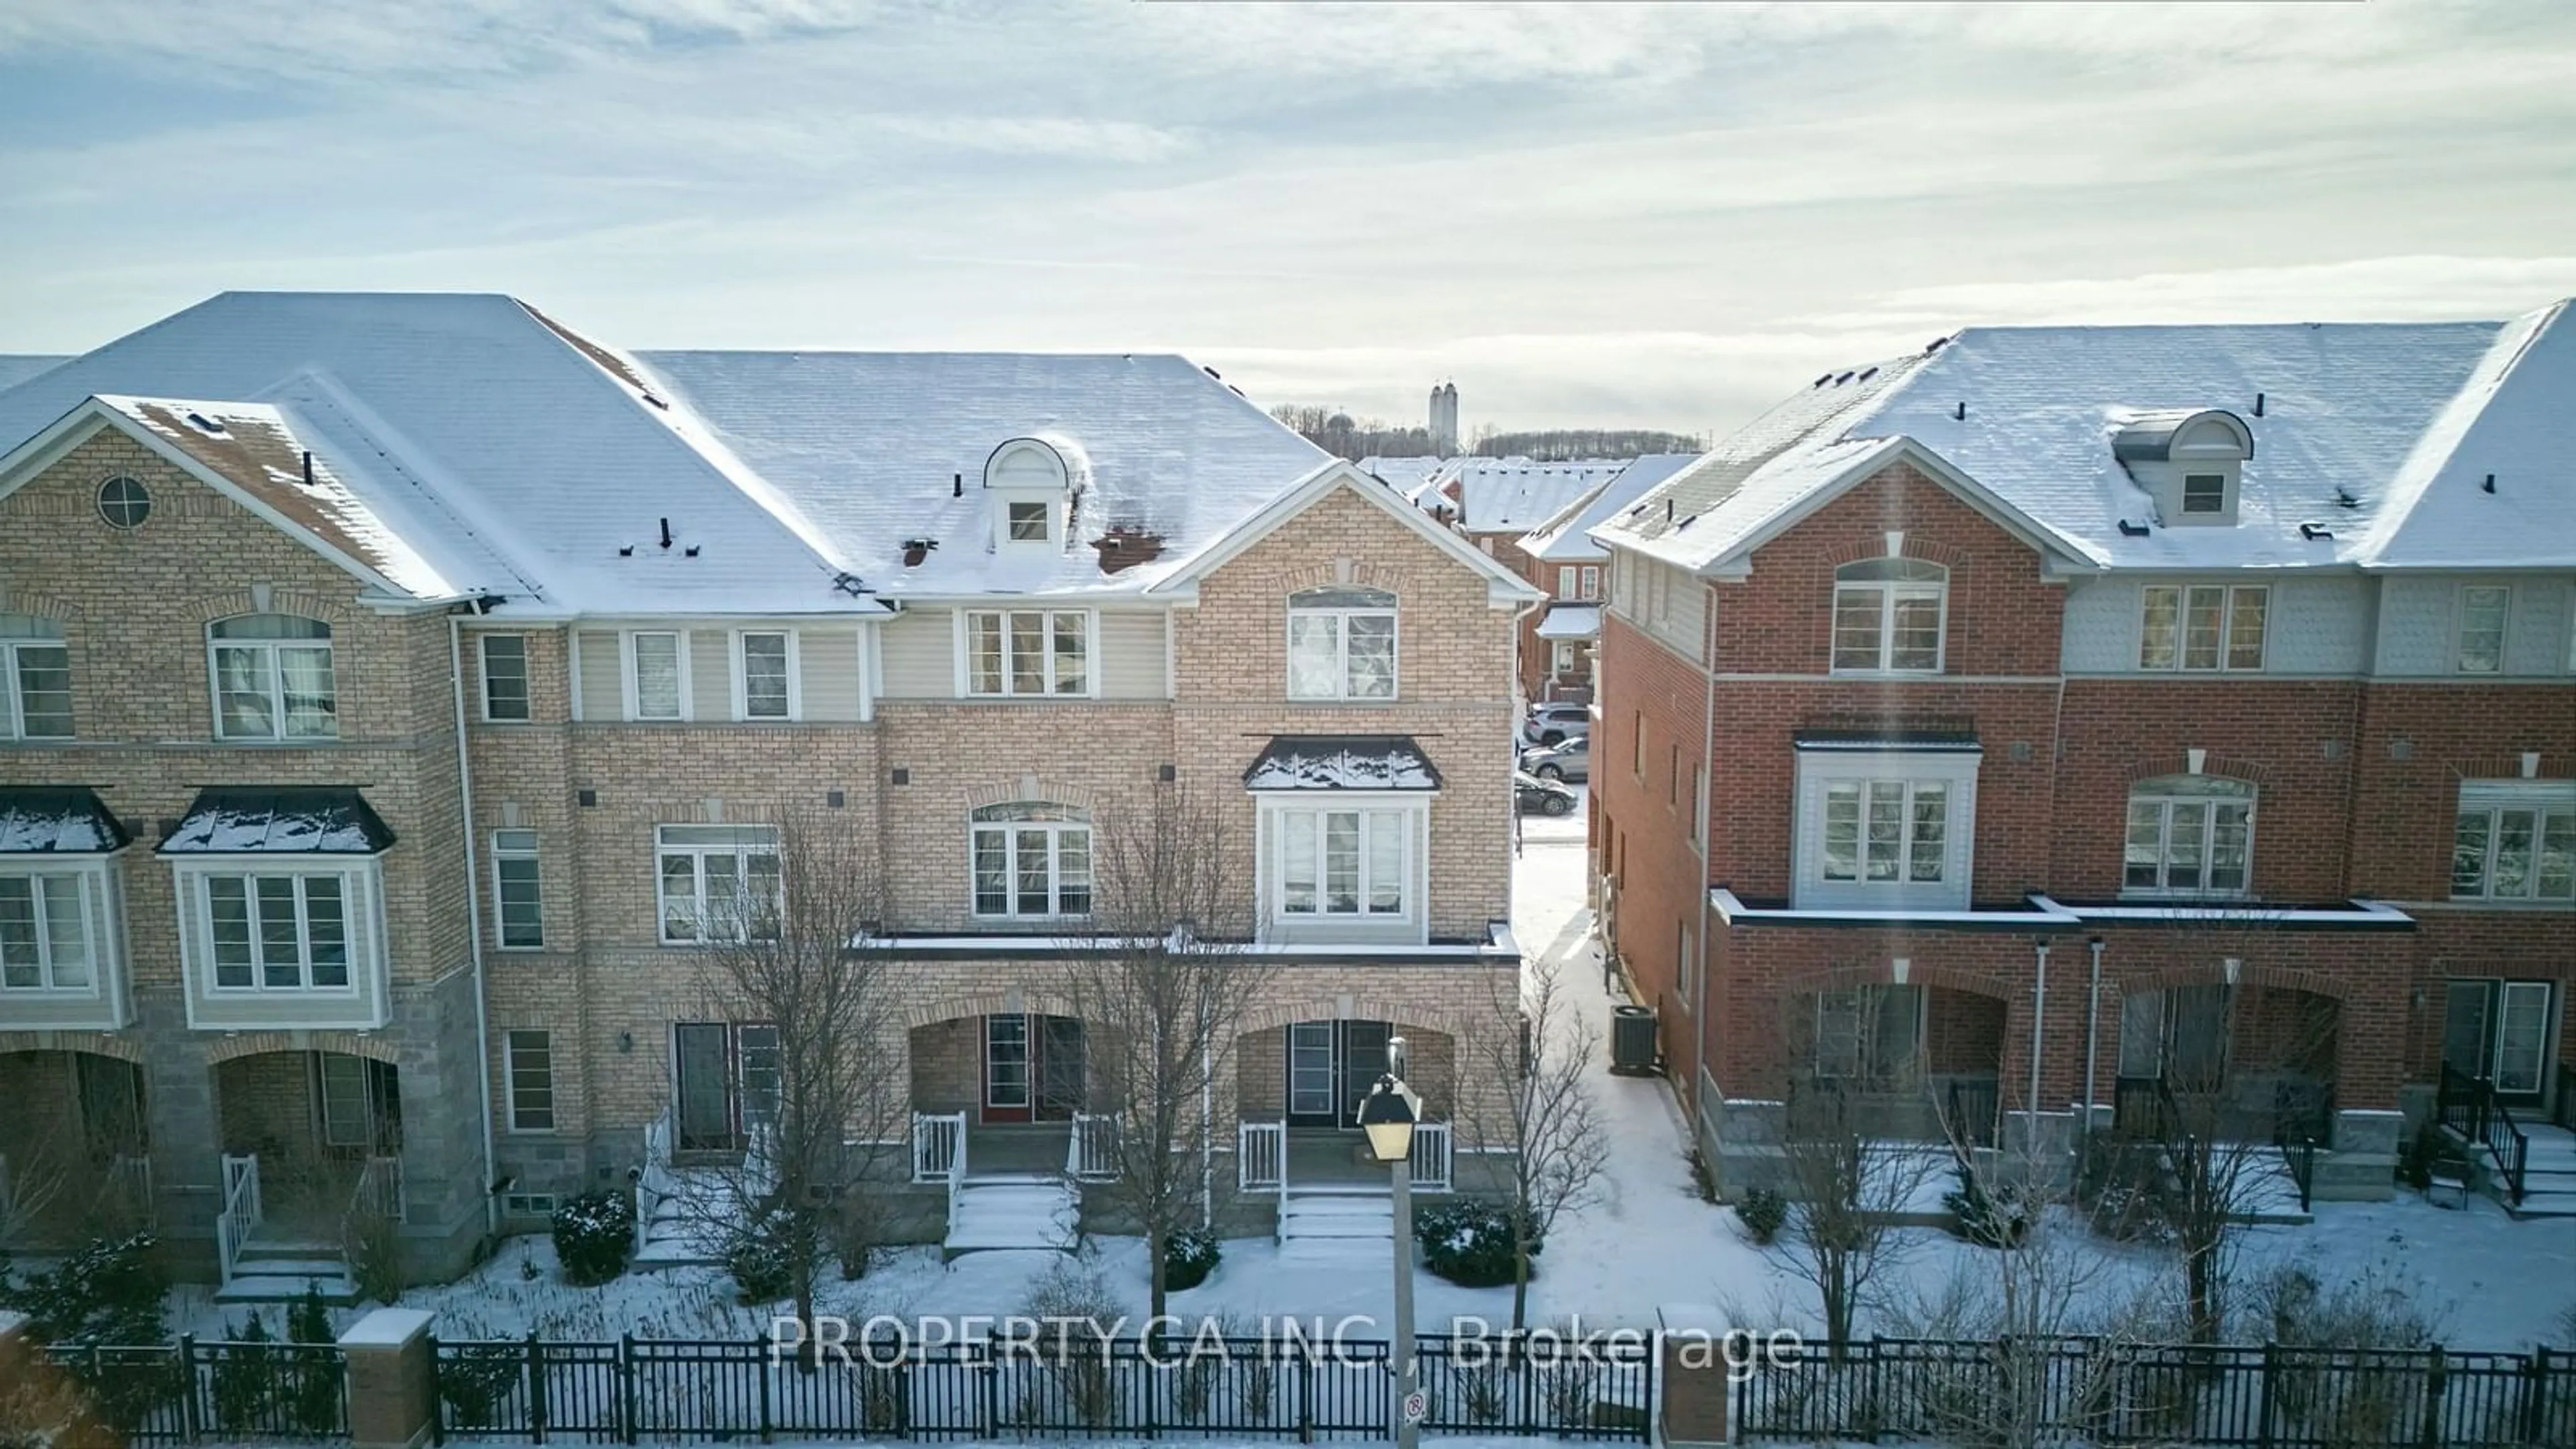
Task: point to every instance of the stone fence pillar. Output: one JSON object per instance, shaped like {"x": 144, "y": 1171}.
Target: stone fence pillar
{"x": 391, "y": 1392}
{"x": 1691, "y": 1359}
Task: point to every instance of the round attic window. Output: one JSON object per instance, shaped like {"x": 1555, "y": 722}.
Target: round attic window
{"x": 124, "y": 502}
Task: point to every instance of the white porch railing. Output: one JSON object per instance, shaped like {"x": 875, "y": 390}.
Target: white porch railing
{"x": 132, "y": 1175}
{"x": 938, "y": 1144}
{"x": 653, "y": 1184}
{"x": 1430, "y": 1165}
{"x": 1261, "y": 1156}
{"x": 241, "y": 1215}
{"x": 1092, "y": 1154}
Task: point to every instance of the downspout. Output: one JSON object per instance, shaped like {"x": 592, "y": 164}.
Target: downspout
{"x": 2038, "y": 1027}
{"x": 2092, "y": 1032}
{"x": 1698, "y": 809}
{"x": 474, "y": 928}
{"x": 1207, "y": 1134}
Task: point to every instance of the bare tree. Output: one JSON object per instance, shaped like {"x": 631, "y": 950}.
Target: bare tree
{"x": 792, "y": 960}
{"x": 1162, "y": 997}
{"x": 1535, "y": 1051}
{"x": 1846, "y": 1057}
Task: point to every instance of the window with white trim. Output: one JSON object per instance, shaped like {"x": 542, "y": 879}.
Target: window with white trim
{"x": 2483, "y": 611}
{"x": 2515, "y": 840}
{"x": 1341, "y": 643}
{"x": 2204, "y": 493}
{"x": 1563, "y": 656}
{"x": 1870, "y": 1034}
{"x": 2189, "y": 835}
{"x": 1686, "y": 964}
{"x": 1881, "y": 832}
{"x": 1345, "y": 863}
{"x": 765, "y": 674}
{"x": 657, "y": 674}
{"x": 1590, "y": 589}
{"x": 530, "y": 1062}
{"x": 278, "y": 932}
{"x": 1579, "y": 582}
{"x": 1027, "y": 521}
{"x": 716, "y": 883}
{"x": 1031, "y": 860}
{"x": 2202, "y": 626}
{"x": 505, "y": 676}
{"x": 45, "y": 937}
{"x": 273, "y": 678}
{"x": 35, "y": 679}
{"x": 1028, "y": 652}
{"x": 517, "y": 892}
{"x": 1888, "y": 616}
{"x": 1884, "y": 829}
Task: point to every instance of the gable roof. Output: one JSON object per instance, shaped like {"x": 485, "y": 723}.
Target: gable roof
{"x": 1503, "y": 587}
{"x": 1565, "y": 538}
{"x": 1516, "y": 495}
{"x": 17, "y": 367}
{"x": 2515, "y": 422}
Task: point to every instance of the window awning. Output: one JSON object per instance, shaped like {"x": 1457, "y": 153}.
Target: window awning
{"x": 1571, "y": 621}
{"x": 57, "y": 820}
{"x": 1342, "y": 762}
{"x": 1884, "y": 741}
{"x": 265, "y": 820}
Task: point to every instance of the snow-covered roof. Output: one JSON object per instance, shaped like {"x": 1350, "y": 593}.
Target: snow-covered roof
{"x": 1571, "y": 621}
{"x": 307, "y": 819}
{"x": 1566, "y": 537}
{"x": 53, "y": 820}
{"x": 877, "y": 448}
{"x": 1341, "y": 762}
{"x": 1516, "y": 495}
{"x": 17, "y": 367}
{"x": 1407, "y": 475}
{"x": 2356, "y": 428}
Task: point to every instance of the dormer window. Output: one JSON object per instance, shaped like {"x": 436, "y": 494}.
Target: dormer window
{"x": 1034, "y": 483}
{"x": 2204, "y": 493}
{"x": 1028, "y": 522}
{"x": 2189, "y": 461}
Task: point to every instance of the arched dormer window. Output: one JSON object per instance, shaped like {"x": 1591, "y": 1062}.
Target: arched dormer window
{"x": 2189, "y": 835}
{"x": 35, "y": 679}
{"x": 1031, "y": 860}
{"x": 1341, "y": 643}
{"x": 1888, "y": 615}
{"x": 2190, "y": 462}
{"x": 273, "y": 678}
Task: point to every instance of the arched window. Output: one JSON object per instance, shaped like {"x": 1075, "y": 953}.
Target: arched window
{"x": 1888, "y": 616}
{"x": 35, "y": 679}
{"x": 2189, "y": 835}
{"x": 1341, "y": 643}
{"x": 1032, "y": 860}
{"x": 273, "y": 678}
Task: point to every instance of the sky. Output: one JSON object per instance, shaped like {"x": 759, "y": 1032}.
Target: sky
{"x": 1595, "y": 214}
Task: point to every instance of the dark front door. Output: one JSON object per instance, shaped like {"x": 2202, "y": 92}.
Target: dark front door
{"x": 1331, "y": 1066}
{"x": 728, "y": 1083}
{"x": 1034, "y": 1068}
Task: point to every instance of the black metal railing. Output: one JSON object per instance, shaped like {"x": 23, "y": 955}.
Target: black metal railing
{"x": 2102, "y": 1391}
{"x": 2565, "y": 1115}
{"x": 2144, "y": 1108}
{"x": 183, "y": 1392}
{"x": 1300, "y": 1387}
{"x": 1973, "y": 1112}
{"x": 2470, "y": 1107}
{"x": 2302, "y": 1118}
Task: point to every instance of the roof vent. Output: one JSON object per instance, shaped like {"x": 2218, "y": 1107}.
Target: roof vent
{"x": 657, "y": 402}
{"x": 1867, "y": 373}
{"x": 2489, "y": 485}
{"x": 850, "y": 584}
{"x": 2346, "y": 498}
{"x": 1820, "y": 382}
{"x": 917, "y": 549}
{"x": 2258, "y": 404}
{"x": 2133, "y": 530}
{"x": 1123, "y": 548}
{"x": 205, "y": 425}
{"x": 1935, "y": 345}
{"x": 1962, "y": 413}
{"x": 1846, "y": 377}
{"x": 2315, "y": 531}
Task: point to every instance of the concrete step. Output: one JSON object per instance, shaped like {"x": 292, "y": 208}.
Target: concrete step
{"x": 1015, "y": 1211}
{"x": 337, "y": 1290}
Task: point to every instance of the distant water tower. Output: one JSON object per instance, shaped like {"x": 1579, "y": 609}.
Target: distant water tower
{"x": 1444, "y": 419}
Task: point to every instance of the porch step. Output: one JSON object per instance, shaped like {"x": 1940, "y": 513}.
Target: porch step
{"x": 2549, "y": 1174}
{"x": 1015, "y": 1210}
{"x": 1337, "y": 1225}
{"x": 264, "y": 1286}
{"x": 687, "y": 1230}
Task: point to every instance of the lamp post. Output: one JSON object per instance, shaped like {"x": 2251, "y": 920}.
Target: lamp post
{"x": 1387, "y": 1116}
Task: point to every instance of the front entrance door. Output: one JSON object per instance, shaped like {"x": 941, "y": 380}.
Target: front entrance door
{"x": 728, "y": 1083}
{"x": 1331, "y": 1066}
{"x": 2500, "y": 1030}
{"x": 361, "y": 1105}
{"x": 1035, "y": 1068}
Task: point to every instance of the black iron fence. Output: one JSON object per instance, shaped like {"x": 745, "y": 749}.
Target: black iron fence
{"x": 185, "y": 1391}
{"x": 1056, "y": 1387}
{"x": 2100, "y": 1392}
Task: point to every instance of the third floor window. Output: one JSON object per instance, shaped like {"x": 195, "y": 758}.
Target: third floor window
{"x": 2189, "y": 835}
{"x": 1888, "y": 616}
{"x": 1341, "y": 644}
{"x": 273, "y": 678}
{"x": 2483, "y": 610}
{"x": 2202, "y": 626}
{"x": 1028, "y": 652}
{"x": 35, "y": 679}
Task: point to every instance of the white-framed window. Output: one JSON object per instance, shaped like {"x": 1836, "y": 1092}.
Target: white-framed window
{"x": 2189, "y": 835}
{"x": 1870, "y": 1034}
{"x": 1344, "y": 862}
{"x": 1563, "y": 655}
{"x": 505, "y": 676}
{"x": 1685, "y": 967}
{"x": 1589, "y": 588}
{"x": 656, "y": 674}
{"x": 1027, "y": 520}
{"x": 1579, "y": 582}
{"x": 2515, "y": 840}
{"x": 273, "y": 678}
{"x": 716, "y": 883}
{"x": 1341, "y": 643}
{"x": 1884, "y": 830}
{"x": 2202, "y": 626}
{"x": 45, "y": 937}
{"x": 530, "y": 1063}
{"x": 518, "y": 897}
{"x": 2204, "y": 493}
{"x": 1888, "y": 616}
{"x": 35, "y": 679}
{"x": 278, "y": 931}
{"x": 1028, "y": 652}
{"x": 1030, "y": 860}
{"x": 2484, "y": 608}
{"x": 765, "y": 676}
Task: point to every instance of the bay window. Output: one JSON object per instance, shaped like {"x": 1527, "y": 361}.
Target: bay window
{"x": 1884, "y": 829}
{"x": 1035, "y": 652}
{"x": 1031, "y": 860}
{"x": 44, "y": 933}
{"x": 273, "y": 678}
{"x": 1347, "y": 863}
{"x": 1341, "y": 644}
{"x": 277, "y": 932}
{"x": 2515, "y": 840}
{"x": 717, "y": 883}
{"x": 2189, "y": 835}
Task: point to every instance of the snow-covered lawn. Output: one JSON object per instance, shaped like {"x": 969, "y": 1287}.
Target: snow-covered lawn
{"x": 1648, "y": 1240}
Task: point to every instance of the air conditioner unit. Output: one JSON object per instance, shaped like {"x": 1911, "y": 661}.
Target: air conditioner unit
{"x": 1632, "y": 1041}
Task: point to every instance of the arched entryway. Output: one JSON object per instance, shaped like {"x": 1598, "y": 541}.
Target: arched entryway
{"x": 1298, "y": 1088}
{"x": 2244, "y": 1060}
{"x": 1016, "y": 1080}
{"x": 75, "y": 1147}
{"x": 304, "y": 1135}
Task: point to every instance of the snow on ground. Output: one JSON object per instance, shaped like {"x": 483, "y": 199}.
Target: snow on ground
{"x": 1647, "y": 1240}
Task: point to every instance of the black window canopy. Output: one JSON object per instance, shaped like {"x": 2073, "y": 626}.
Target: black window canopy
{"x": 57, "y": 820}
{"x": 304, "y": 819}
{"x": 1342, "y": 762}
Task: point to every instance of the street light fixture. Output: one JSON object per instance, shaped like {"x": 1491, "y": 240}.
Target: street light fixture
{"x": 1388, "y": 1115}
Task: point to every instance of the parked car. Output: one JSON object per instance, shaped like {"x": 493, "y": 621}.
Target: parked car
{"x": 1553, "y": 724}
{"x": 1571, "y": 760}
{"x": 1542, "y": 797}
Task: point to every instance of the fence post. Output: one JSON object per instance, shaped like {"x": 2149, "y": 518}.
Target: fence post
{"x": 993, "y": 1385}
{"x": 392, "y": 1379}
{"x": 1690, "y": 1342}
{"x": 626, "y": 1415}
{"x": 1876, "y": 1398}
{"x": 192, "y": 1412}
{"x": 2535, "y": 1393}
{"x": 536, "y": 1387}
{"x": 1305, "y": 1396}
{"x": 2436, "y": 1382}
{"x": 2263, "y": 1397}
{"x": 760, "y": 1367}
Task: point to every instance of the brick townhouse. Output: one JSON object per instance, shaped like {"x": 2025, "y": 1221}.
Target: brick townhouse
{"x": 2061, "y": 714}
{"x": 1560, "y": 557}
{"x": 396, "y": 691}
